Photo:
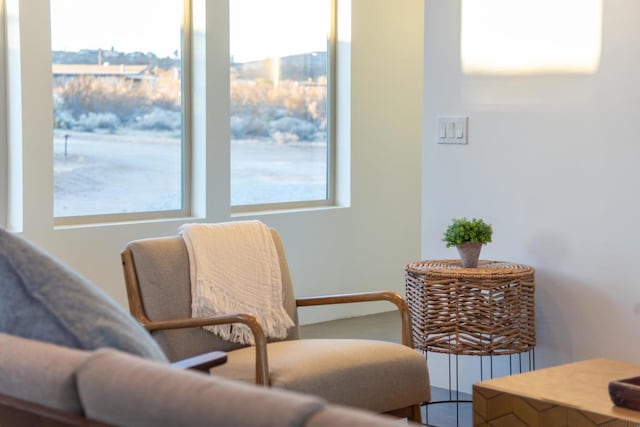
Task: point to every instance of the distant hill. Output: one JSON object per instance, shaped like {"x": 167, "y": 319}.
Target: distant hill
{"x": 111, "y": 57}
{"x": 299, "y": 67}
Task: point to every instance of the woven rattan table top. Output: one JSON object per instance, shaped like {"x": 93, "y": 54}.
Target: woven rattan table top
{"x": 488, "y": 310}
{"x": 452, "y": 268}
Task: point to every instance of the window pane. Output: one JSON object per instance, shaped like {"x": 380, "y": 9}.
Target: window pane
{"x": 117, "y": 106}
{"x": 279, "y": 128}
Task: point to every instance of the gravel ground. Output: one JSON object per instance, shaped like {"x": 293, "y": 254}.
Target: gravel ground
{"x": 103, "y": 173}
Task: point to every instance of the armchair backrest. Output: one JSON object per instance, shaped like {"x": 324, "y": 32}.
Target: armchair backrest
{"x": 159, "y": 288}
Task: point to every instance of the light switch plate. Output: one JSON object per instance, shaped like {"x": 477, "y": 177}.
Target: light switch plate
{"x": 453, "y": 129}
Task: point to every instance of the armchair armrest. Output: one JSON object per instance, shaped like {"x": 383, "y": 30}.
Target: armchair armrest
{"x": 393, "y": 297}
{"x": 262, "y": 366}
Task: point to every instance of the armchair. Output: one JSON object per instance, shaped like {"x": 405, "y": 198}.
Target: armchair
{"x": 375, "y": 375}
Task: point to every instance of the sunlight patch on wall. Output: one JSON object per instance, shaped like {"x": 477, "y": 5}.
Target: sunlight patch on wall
{"x": 530, "y": 36}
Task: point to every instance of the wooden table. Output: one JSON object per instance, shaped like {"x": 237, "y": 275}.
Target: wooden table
{"x": 575, "y": 394}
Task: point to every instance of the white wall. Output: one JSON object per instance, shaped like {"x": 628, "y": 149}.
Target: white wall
{"x": 362, "y": 247}
{"x": 552, "y": 164}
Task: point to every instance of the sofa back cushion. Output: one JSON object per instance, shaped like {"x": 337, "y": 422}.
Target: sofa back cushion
{"x": 123, "y": 390}
{"x": 42, "y": 299}
{"x": 39, "y": 372}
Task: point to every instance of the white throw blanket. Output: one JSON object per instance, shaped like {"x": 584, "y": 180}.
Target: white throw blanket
{"x": 235, "y": 268}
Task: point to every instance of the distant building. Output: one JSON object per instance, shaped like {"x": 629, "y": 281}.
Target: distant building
{"x": 135, "y": 72}
{"x": 302, "y": 67}
{"x": 134, "y": 66}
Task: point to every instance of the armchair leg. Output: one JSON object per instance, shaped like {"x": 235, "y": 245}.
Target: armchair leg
{"x": 416, "y": 414}
{"x": 411, "y": 413}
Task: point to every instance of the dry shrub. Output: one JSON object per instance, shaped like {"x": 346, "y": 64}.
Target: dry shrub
{"x": 126, "y": 98}
{"x": 258, "y": 107}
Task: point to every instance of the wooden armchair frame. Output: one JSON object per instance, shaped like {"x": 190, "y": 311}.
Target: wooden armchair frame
{"x": 262, "y": 364}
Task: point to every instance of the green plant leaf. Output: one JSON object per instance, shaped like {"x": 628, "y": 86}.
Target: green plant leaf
{"x": 462, "y": 230}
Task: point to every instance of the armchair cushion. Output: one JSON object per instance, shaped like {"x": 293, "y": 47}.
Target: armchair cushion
{"x": 162, "y": 271}
{"x": 42, "y": 299}
{"x": 344, "y": 371}
{"x": 122, "y": 390}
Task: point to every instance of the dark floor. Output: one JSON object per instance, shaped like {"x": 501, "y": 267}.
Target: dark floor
{"x": 446, "y": 414}
{"x": 386, "y": 326}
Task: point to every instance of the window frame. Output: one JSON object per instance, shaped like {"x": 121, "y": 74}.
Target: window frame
{"x": 330, "y": 200}
{"x": 186, "y": 65}
{"x": 28, "y": 196}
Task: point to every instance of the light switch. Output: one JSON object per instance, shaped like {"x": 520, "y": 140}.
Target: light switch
{"x": 453, "y": 129}
{"x": 442, "y": 128}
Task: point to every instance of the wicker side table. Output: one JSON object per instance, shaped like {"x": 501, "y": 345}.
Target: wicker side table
{"x": 485, "y": 311}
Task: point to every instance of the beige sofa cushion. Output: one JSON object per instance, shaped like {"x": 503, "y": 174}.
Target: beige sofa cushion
{"x": 343, "y": 371}
{"x": 40, "y": 372}
{"x": 119, "y": 389}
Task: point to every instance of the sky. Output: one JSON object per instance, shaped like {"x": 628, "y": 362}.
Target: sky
{"x": 124, "y": 25}
{"x": 259, "y": 28}
{"x": 269, "y": 28}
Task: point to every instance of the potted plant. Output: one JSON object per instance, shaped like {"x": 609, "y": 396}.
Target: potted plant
{"x": 468, "y": 237}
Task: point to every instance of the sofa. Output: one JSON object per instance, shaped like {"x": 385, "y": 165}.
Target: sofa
{"x": 50, "y": 385}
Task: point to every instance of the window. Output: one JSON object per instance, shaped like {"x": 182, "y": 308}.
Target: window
{"x": 281, "y": 62}
{"x": 118, "y": 78}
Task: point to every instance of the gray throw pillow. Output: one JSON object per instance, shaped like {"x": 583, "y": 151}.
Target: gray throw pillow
{"x": 43, "y": 299}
